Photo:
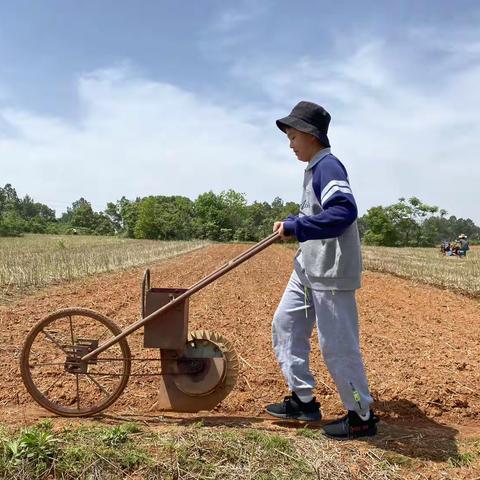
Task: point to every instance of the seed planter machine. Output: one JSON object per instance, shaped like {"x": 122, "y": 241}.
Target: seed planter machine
{"x": 76, "y": 362}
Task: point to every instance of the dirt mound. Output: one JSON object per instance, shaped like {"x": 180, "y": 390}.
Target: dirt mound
{"x": 420, "y": 343}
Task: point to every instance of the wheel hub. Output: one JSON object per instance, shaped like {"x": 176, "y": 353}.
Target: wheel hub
{"x": 201, "y": 369}
{"x": 74, "y": 363}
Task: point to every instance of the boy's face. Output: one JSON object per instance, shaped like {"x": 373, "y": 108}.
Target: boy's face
{"x": 303, "y": 144}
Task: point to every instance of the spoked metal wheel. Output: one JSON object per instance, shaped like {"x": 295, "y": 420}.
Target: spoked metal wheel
{"x": 54, "y": 373}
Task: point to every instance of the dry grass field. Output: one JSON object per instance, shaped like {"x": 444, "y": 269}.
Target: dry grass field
{"x": 427, "y": 265}
{"x": 42, "y": 260}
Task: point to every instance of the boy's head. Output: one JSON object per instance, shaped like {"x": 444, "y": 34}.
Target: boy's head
{"x": 303, "y": 144}
{"x": 306, "y": 127}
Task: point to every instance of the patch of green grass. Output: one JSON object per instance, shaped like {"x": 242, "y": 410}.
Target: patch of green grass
{"x": 467, "y": 457}
{"x": 102, "y": 452}
{"x": 36, "y": 447}
{"x": 194, "y": 452}
{"x": 118, "y": 434}
{"x": 269, "y": 442}
{"x": 393, "y": 458}
{"x": 229, "y": 454}
{"x": 462, "y": 459}
{"x": 308, "y": 433}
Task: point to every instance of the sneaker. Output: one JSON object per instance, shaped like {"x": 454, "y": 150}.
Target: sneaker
{"x": 293, "y": 408}
{"x": 352, "y": 426}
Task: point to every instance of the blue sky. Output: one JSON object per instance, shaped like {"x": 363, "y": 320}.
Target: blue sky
{"x": 108, "y": 98}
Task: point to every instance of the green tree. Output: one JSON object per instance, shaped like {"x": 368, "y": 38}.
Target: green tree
{"x": 83, "y": 218}
{"x": 11, "y": 224}
{"x": 113, "y": 213}
{"x": 129, "y": 214}
{"x": 405, "y": 223}
{"x": 379, "y": 227}
{"x": 164, "y": 218}
{"x": 147, "y": 225}
{"x": 103, "y": 225}
{"x": 210, "y": 216}
{"x": 11, "y": 221}
{"x": 234, "y": 206}
{"x": 9, "y": 199}
{"x": 82, "y": 215}
{"x": 178, "y": 219}
{"x": 257, "y": 223}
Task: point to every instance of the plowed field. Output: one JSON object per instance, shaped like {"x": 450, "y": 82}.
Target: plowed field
{"x": 421, "y": 344}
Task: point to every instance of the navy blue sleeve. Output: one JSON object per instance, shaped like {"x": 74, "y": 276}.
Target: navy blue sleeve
{"x": 332, "y": 189}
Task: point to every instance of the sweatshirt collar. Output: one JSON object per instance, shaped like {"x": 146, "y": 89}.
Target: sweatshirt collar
{"x": 317, "y": 157}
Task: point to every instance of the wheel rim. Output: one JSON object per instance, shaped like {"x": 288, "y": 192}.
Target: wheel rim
{"x": 52, "y": 369}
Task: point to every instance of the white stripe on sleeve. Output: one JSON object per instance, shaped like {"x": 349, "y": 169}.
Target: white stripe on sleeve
{"x": 332, "y": 183}
{"x": 334, "y": 189}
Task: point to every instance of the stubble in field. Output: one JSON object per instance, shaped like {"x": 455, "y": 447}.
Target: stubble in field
{"x": 427, "y": 265}
{"x": 41, "y": 260}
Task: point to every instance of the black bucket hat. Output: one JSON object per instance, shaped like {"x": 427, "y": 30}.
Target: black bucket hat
{"x": 310, "y": 118}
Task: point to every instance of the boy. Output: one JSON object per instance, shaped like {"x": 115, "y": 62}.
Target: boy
{"x": 326, "y": 273}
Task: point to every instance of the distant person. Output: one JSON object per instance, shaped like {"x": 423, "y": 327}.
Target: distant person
{"x": 446, "y": 248}
{"x": 321, "y": 289}
{"x": 463, "y": 244}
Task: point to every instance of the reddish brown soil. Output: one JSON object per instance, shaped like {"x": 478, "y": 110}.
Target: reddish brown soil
{"x": 421, "y": 344}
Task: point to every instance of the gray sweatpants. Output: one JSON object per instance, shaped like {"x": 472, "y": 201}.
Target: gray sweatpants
{"x": 335, "y": 312}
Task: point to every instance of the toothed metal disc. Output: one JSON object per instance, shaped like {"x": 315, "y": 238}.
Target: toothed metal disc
{"x": 211, "y": 374}
{"x": 211, "y": 369}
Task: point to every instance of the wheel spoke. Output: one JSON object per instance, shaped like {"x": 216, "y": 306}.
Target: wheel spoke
{"x": 104, "y": 390}
{"x": 103, "y": 334}
{"x": 52, "y": 339}
{"x": 54, "y": 383}
{"x": 78, "y": 392}
{"x": 113, "y": 359}
{"x": 47, "y": 364}
{"x": 71, "y": 329}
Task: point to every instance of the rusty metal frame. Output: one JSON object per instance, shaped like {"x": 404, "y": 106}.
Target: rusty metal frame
{"x": 235, "y": 262}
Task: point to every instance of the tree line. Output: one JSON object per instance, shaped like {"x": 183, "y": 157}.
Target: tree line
{"x": 412, "y": 223}
{"x": 221, "y": 217}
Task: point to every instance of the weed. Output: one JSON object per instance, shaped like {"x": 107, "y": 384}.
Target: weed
{"x": 198, "y": 424}
{"x": 393, "y": 458}
{"x": 308, "y": 433}
{"x": 462, "y": 459}
{"x": 101, "y": 450}
{"x": 269, "y": 442}
{"x": 118, "y": 434}
{"x": 36, "y": 446}
{"x": 465, "y": 459}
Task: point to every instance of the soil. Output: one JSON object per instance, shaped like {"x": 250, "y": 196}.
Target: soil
{"x": 421, "y": 345}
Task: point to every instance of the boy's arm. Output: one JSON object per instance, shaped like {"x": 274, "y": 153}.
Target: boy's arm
{"x": 332, "y": 189}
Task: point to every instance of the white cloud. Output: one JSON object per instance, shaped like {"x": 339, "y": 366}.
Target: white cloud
{"x": 138, "y": 137}
{"x": 464, "y": 42}
{"x": 397, "y": 135}
{"x": 233, "y": 18}
{"x": 231, "y": 28}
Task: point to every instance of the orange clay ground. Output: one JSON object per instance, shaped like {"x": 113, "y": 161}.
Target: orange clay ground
{"x": 421, "y": 347}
